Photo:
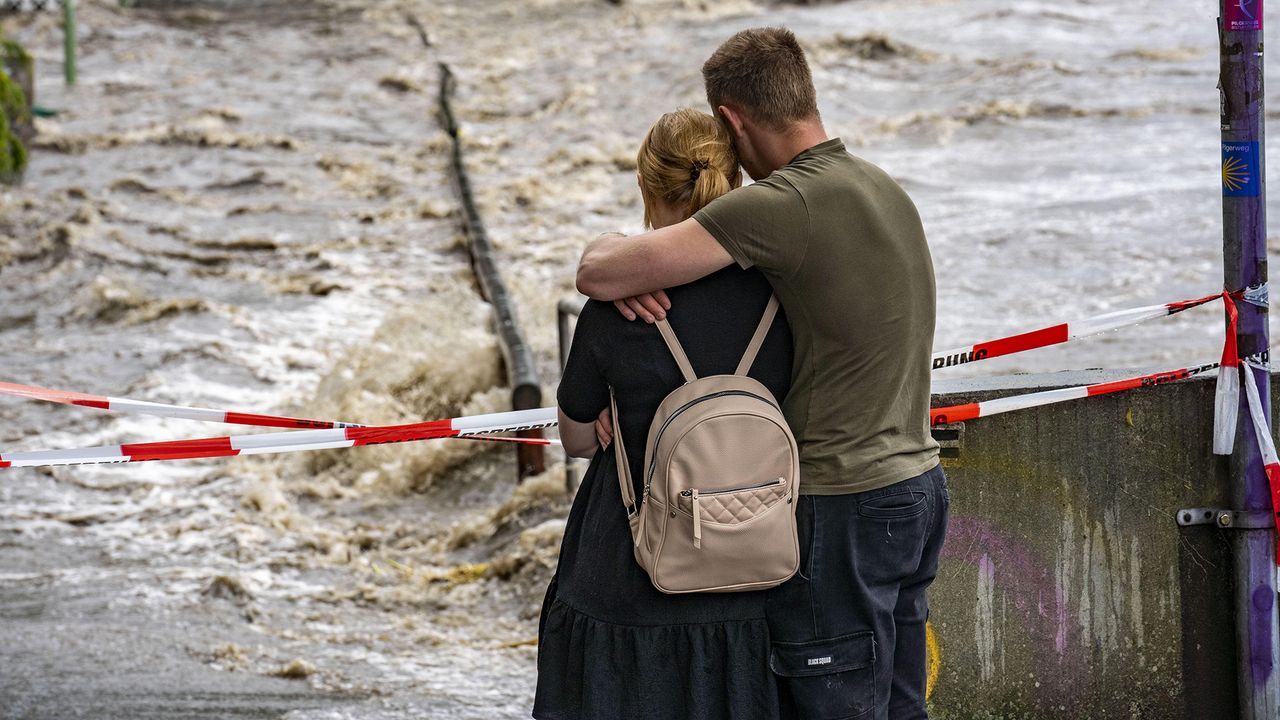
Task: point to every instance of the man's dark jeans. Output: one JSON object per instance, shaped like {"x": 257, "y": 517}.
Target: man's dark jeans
{"x": 848, "y": 631}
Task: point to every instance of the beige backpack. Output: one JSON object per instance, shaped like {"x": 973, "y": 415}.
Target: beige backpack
{"x": 721, "y": 475}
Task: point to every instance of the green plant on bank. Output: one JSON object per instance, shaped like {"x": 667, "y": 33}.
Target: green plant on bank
{"x": 14, "y": 108}
{"x": 13, "y": 154}
{"x": 12, "y": 100}
{"x": 15, "y": 57}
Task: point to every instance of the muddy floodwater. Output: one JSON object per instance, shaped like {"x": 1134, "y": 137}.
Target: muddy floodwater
{"x": 246, "y": 204}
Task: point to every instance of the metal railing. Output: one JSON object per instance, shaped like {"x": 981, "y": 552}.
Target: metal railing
{"x": 569, "y": 307}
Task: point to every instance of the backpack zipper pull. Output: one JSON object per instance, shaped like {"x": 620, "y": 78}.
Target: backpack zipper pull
{"x": 636, "y": 537}
{"x": 697, "y": 521}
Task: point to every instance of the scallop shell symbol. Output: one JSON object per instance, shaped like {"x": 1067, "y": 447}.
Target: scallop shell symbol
{"x": 1235, "y": 173}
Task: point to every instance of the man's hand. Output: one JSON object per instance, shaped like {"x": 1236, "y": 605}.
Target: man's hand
{"x": 650, "y": 307}
{"x": 604, "y": 428}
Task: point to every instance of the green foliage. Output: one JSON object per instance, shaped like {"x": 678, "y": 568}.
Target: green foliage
{"x": 8, "y": 165}
{"x": 14, "y": 108}
{"x": 13, "y": 102}
{"x": 18, "y": 152}
{"x": 15, "y": 57}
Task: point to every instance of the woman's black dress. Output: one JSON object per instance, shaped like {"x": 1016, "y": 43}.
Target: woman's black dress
{"x": 611, "y": 646}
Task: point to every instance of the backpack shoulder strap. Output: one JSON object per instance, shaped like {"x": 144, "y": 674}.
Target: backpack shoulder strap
{"x": 762, "y": 330}
{"x": 624, "y": 466}
{"x": 673, "y": 344}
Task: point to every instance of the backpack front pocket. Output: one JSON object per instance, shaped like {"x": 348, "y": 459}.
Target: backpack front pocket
{"x": 716, "y": 526}
{"x": 730, "y": 506}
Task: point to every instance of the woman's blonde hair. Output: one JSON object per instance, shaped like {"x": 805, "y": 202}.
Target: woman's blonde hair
{"x": 688, "y": 160}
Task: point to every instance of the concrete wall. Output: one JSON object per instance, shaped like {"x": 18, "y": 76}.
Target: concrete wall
{"x": 1067, "y": 590}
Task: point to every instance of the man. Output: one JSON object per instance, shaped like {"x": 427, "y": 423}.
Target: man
{"x": 843, "y": 246}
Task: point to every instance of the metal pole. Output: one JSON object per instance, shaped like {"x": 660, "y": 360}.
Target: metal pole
{"x": 69, "y": 41}
{"x": 1244, "y": 246}
{"x": 526, "y": 391}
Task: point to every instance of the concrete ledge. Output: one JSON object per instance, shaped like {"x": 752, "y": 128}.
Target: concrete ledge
{"x": 1067, "y": 589}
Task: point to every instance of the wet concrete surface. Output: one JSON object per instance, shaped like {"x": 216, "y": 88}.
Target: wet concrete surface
{"x": 78, "y": 644}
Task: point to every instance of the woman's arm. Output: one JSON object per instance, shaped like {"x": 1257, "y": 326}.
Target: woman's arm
{"x": 583, "y": 395}
{"x": 579, "y": 439}
{"x": 574, "y": 435}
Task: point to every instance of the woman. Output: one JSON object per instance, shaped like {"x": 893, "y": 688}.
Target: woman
{"x": 611, "y": 646}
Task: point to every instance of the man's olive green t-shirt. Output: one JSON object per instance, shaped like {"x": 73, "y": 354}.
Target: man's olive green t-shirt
{"x": 843, "y": 246}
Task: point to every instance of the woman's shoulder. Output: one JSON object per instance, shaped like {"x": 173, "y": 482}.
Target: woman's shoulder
{"x": 732, "y": 288}
{"x": 597, "y": 313}
{"x": 732, "y": 284}
{"x": 601, "y": 322}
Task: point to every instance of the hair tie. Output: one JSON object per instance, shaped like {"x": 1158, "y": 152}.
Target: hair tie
{"x": 698, "y": 167}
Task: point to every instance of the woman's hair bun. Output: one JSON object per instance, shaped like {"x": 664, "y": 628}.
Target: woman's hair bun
{"x": 677, "y": 156}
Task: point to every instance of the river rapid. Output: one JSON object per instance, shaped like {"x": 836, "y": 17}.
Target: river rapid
{"x": 246, "y": 204}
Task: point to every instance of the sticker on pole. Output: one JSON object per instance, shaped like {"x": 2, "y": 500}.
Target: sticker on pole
{"x": 1240, "y": 169}
{"x": 1242, "y": 15}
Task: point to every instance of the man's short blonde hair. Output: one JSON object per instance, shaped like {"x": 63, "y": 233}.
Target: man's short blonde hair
{"x": 764, "y": 72}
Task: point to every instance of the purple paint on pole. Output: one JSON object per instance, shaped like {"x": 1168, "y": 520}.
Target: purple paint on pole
{"x": 1262, "y": 599}
{"x": 1244, "y": 246}
{"x": 1260, "y": 634}
{"x": 1242, "y": 15}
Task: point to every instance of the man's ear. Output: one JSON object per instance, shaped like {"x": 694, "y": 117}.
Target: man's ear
{"x": 734, "y": 119}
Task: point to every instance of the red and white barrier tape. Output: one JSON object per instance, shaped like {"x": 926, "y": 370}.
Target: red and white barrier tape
{"x": 1064, "y": 332}
{"x": 290, "y": 441}
{"x": 1035, "y": 339}
{"x": 987, "y": 408}
{"x": 1226, "y": 396}
{"x": 350, "y": 435}
{"x": 480, "y": 425}
{"x": 142, "y": 407}
{"x": 230, "y": 417}
{"x": 1267, "y": 446}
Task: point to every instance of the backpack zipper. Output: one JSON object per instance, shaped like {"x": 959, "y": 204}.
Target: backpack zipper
{"x": 704, "y": 493}
{"x": 653, "y": 465}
